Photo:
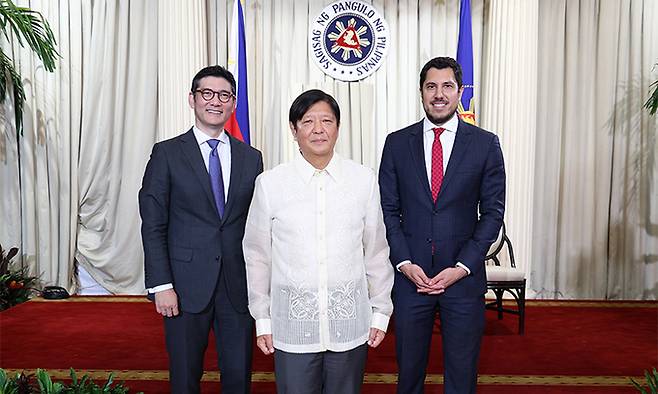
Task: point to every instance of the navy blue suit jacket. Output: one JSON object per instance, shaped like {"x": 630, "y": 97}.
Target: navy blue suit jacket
{"x": 185, "y": 242}
{"x": 474, "y": 182}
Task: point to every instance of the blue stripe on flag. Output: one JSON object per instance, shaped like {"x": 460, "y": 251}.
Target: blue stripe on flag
{"x": 465, "y": 53}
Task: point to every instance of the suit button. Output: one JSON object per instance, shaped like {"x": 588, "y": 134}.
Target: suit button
{"x": 216, "y": 258}
{"x": 435, "y": 213}
{"x": 429, "y": 240}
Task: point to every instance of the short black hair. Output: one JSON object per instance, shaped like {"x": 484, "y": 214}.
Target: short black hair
{"x": 440, "y": 63}
{"x": 213, "y": 71}
{"x": 305, "y": 100}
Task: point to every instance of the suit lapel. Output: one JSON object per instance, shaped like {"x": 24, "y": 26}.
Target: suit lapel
{"x": 459, "y": 149}
{"x": 193, "y": 156}
{"x": 237, "y": 164}
{"x": 416, "y": 145}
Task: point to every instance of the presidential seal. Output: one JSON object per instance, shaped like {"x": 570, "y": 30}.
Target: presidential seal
{"x": 348, "y": 40}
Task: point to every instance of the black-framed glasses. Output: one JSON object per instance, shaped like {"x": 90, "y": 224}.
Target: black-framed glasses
{"x": 209, "y": 94}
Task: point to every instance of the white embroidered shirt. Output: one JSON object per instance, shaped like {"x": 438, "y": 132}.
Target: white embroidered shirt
{"x": 315, "y": 246}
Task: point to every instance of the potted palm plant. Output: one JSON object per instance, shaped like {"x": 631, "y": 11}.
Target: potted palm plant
{"x": 25, "y": 26}
{"x": 16, "y": 286}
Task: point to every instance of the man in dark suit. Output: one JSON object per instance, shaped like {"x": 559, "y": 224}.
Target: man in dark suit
{"x": 443, "y": 196}
{"x": 194, "y": 200}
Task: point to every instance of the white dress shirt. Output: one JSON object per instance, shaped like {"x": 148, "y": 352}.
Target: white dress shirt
{"x": 224, "y": 152}
{"x": 447, "y": 139}
{"x": 318, "y": 274}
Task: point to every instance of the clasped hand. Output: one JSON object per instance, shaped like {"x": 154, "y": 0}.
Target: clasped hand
{"x": 435, "y": 285}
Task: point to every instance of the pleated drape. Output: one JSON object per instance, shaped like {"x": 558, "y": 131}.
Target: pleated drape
{"x": 561, "y": 82}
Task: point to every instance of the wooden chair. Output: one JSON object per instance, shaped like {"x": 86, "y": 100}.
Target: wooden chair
{"x": 503, "y": 278}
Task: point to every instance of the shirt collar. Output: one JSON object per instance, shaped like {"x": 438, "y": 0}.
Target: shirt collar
{"x": 307, "y": 171}
{"x": 202, "y": 137}
{"x": 450, "y": 126}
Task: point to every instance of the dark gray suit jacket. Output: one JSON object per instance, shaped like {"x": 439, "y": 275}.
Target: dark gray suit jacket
{"x": 185, "y": 242}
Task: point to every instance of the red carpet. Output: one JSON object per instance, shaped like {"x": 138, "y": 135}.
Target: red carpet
{"x": 569, "y": 347}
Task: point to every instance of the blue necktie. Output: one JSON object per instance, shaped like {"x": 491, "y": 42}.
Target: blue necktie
{"x": 216, "y": 179}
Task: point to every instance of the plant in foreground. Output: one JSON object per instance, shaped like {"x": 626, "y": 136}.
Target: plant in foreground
{"x": 25, "y": 384}
{"x": 651, "y": 381}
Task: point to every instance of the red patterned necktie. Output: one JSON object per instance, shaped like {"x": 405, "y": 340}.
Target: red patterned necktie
{"x": 437, "y": 163}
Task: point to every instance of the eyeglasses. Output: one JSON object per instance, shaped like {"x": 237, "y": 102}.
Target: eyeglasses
{"x": 209, "y": 94}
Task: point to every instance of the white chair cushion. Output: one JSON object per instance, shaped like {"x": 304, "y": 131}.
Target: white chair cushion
{"x": 503, "y": 274}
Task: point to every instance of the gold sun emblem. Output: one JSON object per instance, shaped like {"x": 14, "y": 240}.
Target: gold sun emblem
{"x": 349, "y": 39}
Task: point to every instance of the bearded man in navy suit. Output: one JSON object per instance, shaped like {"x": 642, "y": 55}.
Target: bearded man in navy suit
{"x": 194, "y": 200}
{"x": 442, "y": 185}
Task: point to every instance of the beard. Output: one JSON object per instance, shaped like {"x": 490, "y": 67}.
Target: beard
{"x": 439, "y": 120}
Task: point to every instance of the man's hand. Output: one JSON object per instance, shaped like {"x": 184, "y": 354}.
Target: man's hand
{"x": 376, "y": 337}
{"x": 416, "y": 274}
{"x": 166, "y": 303}
{"x": 264, "y": 343}
{"x": 444, "y": 279}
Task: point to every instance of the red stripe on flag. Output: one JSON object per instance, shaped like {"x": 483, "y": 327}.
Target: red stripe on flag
{"x": 233, "y": 127}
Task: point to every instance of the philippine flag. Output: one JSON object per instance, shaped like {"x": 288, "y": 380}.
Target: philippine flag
{"x": 238, "y": 125}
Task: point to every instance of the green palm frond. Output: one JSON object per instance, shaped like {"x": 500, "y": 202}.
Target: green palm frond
{"x": 7, "y": 70}
{"x": 652, "y": 103}
{"x": 29, "y": 27}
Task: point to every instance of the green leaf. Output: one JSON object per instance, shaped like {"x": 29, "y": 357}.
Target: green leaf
{"x": 84, "y": 382}
{"x": 45, "y": 383}
{"x": 58, "y": 388}
{"x": 74, "y": 378}
{"x": 12, "y": 252}
{"x": 652, "y": 101}
{"x": 9, "y": 384}
{"x": 651, "y": 381}
{"x": 638, "y": 387}
{"x": 7, "y": 69}
{"x": 108, "y": 384}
